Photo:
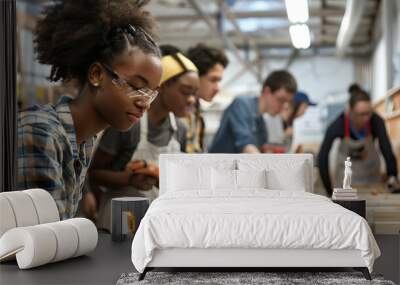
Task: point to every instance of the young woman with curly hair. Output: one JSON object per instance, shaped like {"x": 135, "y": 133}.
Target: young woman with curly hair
{"x": 158, "y": 132}
{"x": 107, "y": 47}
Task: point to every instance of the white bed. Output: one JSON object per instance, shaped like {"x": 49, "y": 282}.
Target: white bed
{"x": 223, "y": 210}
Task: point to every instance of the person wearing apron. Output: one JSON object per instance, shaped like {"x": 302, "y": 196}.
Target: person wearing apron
{"x": 158, "y": 132}
{"x": 364, "y": 155}
{"x": 150, "y": 152}
{"x": 359, "y": 130}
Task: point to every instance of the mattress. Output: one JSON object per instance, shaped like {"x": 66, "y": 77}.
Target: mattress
{"x": 252, "y": 218}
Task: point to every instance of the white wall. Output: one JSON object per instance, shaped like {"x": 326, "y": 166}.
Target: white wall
{"x": 324, "y": 77}
{"x": 326, "y": 80}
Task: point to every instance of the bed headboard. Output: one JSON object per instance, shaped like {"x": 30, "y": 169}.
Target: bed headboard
{"x": 287, "y": 163}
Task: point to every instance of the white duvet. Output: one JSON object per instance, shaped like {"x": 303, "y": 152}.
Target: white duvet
{"x": 250, "y": 219}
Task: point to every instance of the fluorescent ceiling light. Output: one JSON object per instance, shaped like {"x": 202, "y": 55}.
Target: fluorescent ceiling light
{"x": 300, "y": 36}
{"x": 297, "y": 10}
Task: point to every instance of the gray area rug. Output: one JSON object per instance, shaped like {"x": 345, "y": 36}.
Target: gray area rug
{"x": 225, "y": 278}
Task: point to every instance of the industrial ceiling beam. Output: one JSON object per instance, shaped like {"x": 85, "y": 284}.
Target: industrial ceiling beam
{"x": 350, "y": 22}
{"x": 295, "y": 53}
{"x": 184, "y": 32}
{"x": 282, "y": 41}
{"x": 226, "y": 39}
{"x": 248, "y": 40}
{"x": 327, "y": 12}
{"x": 237, "y": 75}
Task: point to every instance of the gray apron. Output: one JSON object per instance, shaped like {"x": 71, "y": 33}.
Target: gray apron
{"x": 364, "y": 158}
{"x": 150, "y": 152}
{"x": 147, "y": 151}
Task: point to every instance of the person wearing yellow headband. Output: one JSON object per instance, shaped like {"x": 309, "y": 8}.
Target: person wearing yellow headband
{"x": 157, "y": 132}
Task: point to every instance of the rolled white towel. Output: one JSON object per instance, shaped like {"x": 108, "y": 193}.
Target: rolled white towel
{"x": 33, "y": 246}
{"x": 40, "y": 244}
{"x": 7, "y": 217}
{"x": 66, "y": 238}
{"x": 87, "y": 235}
{"x": 26, "y": 208}
{"x": 45, "y": 205}
{"x": 23, "y": 208}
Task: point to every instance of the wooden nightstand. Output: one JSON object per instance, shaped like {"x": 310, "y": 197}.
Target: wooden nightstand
{"x": 357, "y": 206}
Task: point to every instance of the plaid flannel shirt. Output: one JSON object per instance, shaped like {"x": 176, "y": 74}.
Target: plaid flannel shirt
{"x": 194, "y": 124}
{"x": 49, "y": 157}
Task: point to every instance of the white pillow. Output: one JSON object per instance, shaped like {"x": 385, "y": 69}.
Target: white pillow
{"x": 188, "y": 177}
{"x": 251, "y": 178}
{"x": 278, "y": 180}
{"x": 282, "y": 174}
{"x": 223, "y": 179}
{"x": 198, "y": 160}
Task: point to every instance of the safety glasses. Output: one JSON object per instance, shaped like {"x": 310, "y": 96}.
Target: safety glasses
{"x": 124, "y": 85}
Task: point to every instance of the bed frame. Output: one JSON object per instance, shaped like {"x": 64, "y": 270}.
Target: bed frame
{"x": 245, "y": 259}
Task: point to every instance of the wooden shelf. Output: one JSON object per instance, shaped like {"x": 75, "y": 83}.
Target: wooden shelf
{"x": 391, "y": 117}
{"x": 391, "y": 93}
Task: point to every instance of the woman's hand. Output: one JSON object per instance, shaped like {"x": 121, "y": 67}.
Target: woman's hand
{"x": 142, "y": 182}
{"x": 289, "y": 132}
{"x": 143, "y": 175}
{"x": 393, "y": 184}
{"x": 143, "y": 167}
{"x": 89, "y": 206}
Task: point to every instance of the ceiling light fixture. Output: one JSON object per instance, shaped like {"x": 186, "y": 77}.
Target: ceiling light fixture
{"x": 297, "y": 11}
{"x": 300, "y": 36}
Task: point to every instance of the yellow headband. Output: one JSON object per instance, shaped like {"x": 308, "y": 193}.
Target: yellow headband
{"x": 171, "y": 67}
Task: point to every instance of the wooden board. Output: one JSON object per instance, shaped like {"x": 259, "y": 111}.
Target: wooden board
{"x": 383, "y": 208}
{"x": 389, "y": 108}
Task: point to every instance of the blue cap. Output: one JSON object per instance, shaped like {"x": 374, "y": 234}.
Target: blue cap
{"x": 301, "y": 97}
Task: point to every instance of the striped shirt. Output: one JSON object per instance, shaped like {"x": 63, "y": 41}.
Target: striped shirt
{"x": 49, "y": 157}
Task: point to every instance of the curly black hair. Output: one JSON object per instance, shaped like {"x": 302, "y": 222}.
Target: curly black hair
{"x": 75, "y": 33}
{"x": 169, "y": 50}
{"x": 205, "y": 57}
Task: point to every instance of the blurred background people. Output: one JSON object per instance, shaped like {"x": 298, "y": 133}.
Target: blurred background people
{"x": 359, "y": 129}
{"x": 242, "y": 128}
{"x": 280, "y": 127}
